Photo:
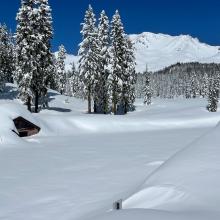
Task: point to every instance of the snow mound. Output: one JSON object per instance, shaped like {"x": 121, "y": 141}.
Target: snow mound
{"x": 187, "y": 181}
{"x": 10, "y": 110}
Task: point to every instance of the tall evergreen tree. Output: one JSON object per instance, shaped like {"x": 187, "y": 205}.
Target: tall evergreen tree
{"x": 51, "y": 80}
{"x": 130, "y": 77}
{"x": 205, "y": 85}
{"x": 194, "y": 85}
{"x": 25, "y": 51}
{"x": 147, "y": 90}
{"x": 7, "y": 56}
{"x": 88, "y": 63}
{"x": 34, "y": 59}
{"x": 61, "y": 72}
{"x": 213, "y": 95}
{"x": 71, "y": 80}
{"x": 118, "y": 50}
{"x": 45, "y": 56}
{"x": 76, "y": 84}
{"x": 101, "y": 95}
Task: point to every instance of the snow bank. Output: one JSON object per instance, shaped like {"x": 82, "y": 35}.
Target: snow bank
{"x": 162, "y": 115}
{"x": 188, "y": 181}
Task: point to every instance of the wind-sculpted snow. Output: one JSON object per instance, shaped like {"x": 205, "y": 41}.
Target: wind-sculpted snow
{"x": 187, "y": 181}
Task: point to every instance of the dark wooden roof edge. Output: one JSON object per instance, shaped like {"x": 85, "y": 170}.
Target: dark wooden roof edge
{"x": 20, "y": 117}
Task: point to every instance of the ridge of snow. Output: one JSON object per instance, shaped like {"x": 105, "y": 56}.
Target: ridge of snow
{"x": 187, "y": 181}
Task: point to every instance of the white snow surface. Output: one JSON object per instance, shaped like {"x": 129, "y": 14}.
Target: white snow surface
{"x": 187, "y": 181}
{"x": 158, "y": 51}
{"x": 162, "y": 160}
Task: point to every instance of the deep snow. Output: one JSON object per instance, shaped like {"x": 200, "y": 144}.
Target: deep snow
{"x": 79, "y": 164}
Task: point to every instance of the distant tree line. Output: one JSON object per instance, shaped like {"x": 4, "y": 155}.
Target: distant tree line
{"x": 186, "y": 80}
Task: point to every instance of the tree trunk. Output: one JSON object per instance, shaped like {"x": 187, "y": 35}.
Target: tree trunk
{"x": 95, "y": 106}
{"x": 36, "y": 102}
{"x": 29, "y": 103}
{"x": 126, "y": 108}
{"x": 89, "y": 102}
{"x": 114, "y": 108}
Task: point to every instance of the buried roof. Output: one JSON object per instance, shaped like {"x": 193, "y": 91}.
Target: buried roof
{"x": 25, "y": 128}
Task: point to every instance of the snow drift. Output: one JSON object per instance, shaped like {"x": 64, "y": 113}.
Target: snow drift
{"x": 188, "y": 181}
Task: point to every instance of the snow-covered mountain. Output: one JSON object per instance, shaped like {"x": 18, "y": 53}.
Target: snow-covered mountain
{"x": 161, "y": 50}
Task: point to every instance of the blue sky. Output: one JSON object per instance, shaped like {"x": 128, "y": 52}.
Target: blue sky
{"x": 199, "y": 18}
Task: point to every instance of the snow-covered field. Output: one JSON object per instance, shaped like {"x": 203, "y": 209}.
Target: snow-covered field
{"x": 162, "y": 160}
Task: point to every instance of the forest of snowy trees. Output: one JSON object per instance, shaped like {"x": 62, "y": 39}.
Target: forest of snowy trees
{"x": 186, "y": 80}
{"x": 107, "y": 65}
{"x": 105, "y": 76}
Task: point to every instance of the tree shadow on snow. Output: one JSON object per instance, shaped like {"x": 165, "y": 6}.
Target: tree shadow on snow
{"x": 59, "y": 109}
{"x": 9, "y": 93}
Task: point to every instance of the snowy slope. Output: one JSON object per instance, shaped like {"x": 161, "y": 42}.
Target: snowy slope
{"x": 160, "y": 50}
{"x": 187, "y": 181}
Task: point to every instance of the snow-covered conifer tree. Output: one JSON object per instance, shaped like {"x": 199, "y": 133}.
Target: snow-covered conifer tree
{"x": 130, "y": 77}
{"x": 34, "y": 59}
{"x": 213, "y": 95}
{"x": 51, "y": 81}
{"x": 101, "y": 95}
{"x": 7, "y": 56}
{"x": 194, "y": 85}
{"x": 25, "y": 51}
{"x": 88, "y": 63}
{"x": 205, "y": 85}
{"x": 75, "y": 84}
{"x": 46, "y": 64}
{"x": 147, "y": 89}
{"x": 118, "y": 61}
{"x": 61, "y": 72}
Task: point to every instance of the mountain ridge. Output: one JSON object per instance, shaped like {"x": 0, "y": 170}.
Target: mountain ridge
{"x": 157, "y": 51}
